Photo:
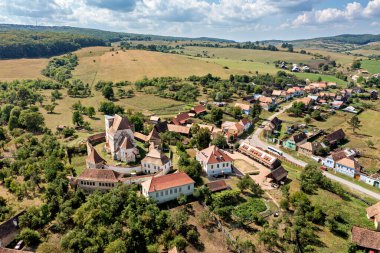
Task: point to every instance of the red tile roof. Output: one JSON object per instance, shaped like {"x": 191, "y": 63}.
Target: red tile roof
{"x": 181, "y": 118}
{"x": 217, "y": 185}
{"x": 94, "y": 157}
{"x": 178, "y": 129}
{"x": 119, "y": 123}
{"x": 366, "y": 238}
{"x": 199, "y": 109}
{"x": 213, "y": 155}
{"x": 169, "y": 181}
{"x": 98, "y": 174}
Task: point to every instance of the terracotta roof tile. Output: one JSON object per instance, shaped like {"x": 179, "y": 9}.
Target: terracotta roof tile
{"x": 169, "y": 181}
{"x": 366, "y": 238}
{"x": 199, "y": 109}
{"x": 94, "y": 157}
{"x": 181, "y": 118}
{"x": 98, "y": 174}
{"x": 213, "y": 155}
{"x": 217, "y": 185}
{"x": 373, "y": 210}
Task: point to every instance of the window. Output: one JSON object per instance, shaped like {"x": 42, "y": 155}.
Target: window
{"x": 171, "y": 191}
{"x": 175, "y": 190}
{"x": 162, "y": 194}
{"x": 217, "y": 165}
{"x": 188, "y": 187}
{"x": 180, "y": 189}
{"x": 166, "y": 192}
{"x": 212, "y": 166}
{"x": 156, "y": 194}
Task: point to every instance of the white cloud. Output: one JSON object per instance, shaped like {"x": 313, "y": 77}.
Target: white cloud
{"x": 352, "y": 11}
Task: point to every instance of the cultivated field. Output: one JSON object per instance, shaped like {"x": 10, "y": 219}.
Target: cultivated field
{"x": 22, "y": 69}
{"x": 101, "y": 64}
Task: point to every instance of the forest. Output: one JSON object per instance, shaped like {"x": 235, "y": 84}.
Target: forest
{"x": 26, "y": 44}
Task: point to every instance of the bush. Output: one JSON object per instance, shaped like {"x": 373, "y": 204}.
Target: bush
{"x": 29, "y": 236}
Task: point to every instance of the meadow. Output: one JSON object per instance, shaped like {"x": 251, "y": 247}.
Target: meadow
{"x": 20, "y": 69}
{"x": 97, "y": 64}
{"x": 372, "y": 66}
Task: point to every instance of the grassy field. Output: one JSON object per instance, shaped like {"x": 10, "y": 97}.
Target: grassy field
{"x": 372, "y": 66}
{"x": 98, "y": 63}
{"x": 145, "y": 103}
{"x": 325, "y": 78}
{"x": 21, "y": 69}
{"x": 352, "y": 210}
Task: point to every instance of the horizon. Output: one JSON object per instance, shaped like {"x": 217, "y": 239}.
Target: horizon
{"x": 241, "y": 20}
{"x": 173, "y": 35}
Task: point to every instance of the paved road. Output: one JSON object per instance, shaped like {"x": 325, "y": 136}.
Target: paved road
{"x": 352, "y": 185}
{"x": 254, "y": 140}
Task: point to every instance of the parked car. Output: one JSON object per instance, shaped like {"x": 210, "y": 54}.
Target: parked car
{"x": 324, "y": 168}
{"x": 19, "y": 245}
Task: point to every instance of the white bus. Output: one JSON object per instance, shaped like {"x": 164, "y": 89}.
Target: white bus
{"x": 274, "y": 150}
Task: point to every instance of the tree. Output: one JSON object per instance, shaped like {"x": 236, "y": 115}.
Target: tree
{"x": 117, "y": 246}
{"x": 202, "y": 138}
{"x": 316, "y": 114}
{"x": 90, "y": 111}
{"x": 311, "y": 177}
{"x": 354, "y": 122}
{"x": 31, "y": 121}
{"x": 370, "y": 143}
{"x": 138, "y": 121}
{"x": 29, "y": 236}
{"x": 307, "y": 119}
{"x": 297, "y": 109}
{"x": 49, "y": 108}
{"x": 219, "y": 141}
{"x": 268, "y": 237}
{"x": 256, "y": 189}
{"x": 216, "y": 115}
{"x": 108, "y": 92}
{"x": 256, "y": 111}
{"x": 77, "y": 118}
{"x": 244, "y": 183}
{"x": 356, "y": 64}
{"x": 179, "y": 242}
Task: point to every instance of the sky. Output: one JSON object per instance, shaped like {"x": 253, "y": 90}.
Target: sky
{"x": 240, "y": 20}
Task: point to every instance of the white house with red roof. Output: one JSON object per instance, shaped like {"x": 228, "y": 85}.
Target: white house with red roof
{"x": 168, "y": 187}
{"x": 214, "y": 161}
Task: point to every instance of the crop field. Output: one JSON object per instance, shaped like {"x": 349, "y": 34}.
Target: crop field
{"x": 21, "y": 69}
{"x": 373, "y": 66}
{"x": 133, "y": 65}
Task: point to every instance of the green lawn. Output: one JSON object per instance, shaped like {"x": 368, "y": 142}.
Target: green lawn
{"x": 373, "y": 66}
{"x": 325, "y": 78}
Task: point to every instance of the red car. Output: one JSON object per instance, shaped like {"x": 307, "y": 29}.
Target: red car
{"x": 324, "y": 168}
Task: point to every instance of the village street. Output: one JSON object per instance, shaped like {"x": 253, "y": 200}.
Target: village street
{"x": 255, "y": 140}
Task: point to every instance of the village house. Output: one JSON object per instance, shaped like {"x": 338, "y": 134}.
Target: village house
{"x": 373, "y": 179}
{"x": 331, "y": 160}
{"x": 120, "y": 141}
{"x": 97, "y": 179}
{"x": 348, "y": 166}
{"x": 295, "y": 91}
{"x": 373, "y": 213}
{"x": 198, "y": 110}
{"x": 232, "y": 130}
{"x": 217, "y": 186}
{"x": 335, "y": 137}
{"x": 182, "y": 130}
{"x": 181, "y": 119}
{"x": 155, "y": 161}
{"x": 273, "y": 125}
{"x": 336, "y": 104}
{"x": 260, "y": 156}
{"x": 154, "y": 119}
{"x": 308, "y": 148}
{"x": 168, "y": 187}
{"x": 267, "y": 103}
{"x": 245, "y": 108}
{"x": 246, "y": 123}
{"x": 307, "y": 101}
{"x": 294, "y": 140}
{"x": 214, "y": 161}
{"x": 278, "y": 175}
{"x": 366, "y": 239}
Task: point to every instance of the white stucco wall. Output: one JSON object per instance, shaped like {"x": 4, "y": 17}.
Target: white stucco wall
{"x": 169, "y": 194}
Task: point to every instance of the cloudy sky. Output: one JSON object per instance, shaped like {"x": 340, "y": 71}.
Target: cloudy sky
{"x": 240, "y": 20}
